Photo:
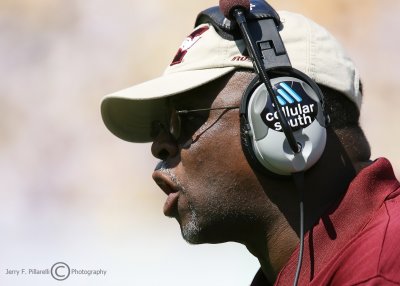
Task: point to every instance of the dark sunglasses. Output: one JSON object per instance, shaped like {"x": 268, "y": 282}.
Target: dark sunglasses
{"x": 175, "y": 120}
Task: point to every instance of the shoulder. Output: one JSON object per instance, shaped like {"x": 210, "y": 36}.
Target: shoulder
{"x": 389, "y": 264}
{"x": 372, "y": 257}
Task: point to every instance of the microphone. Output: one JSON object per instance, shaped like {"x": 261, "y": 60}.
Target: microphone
{"x": 227, "y": 7}
{"x": 235, "y": 10}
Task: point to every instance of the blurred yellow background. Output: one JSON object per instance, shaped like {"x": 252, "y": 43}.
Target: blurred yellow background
{"x": 72, "y": 192}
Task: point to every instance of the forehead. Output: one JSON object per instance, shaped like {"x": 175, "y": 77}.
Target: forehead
{"x": 226, "y": 90}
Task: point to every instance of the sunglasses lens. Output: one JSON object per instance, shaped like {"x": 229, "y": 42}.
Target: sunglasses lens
{"x": 175, "y": 124}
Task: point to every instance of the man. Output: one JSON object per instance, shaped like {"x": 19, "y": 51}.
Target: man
{"x": 218, "y": 193}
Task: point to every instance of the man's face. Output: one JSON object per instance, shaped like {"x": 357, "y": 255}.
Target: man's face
{"x": 212, "y": 191}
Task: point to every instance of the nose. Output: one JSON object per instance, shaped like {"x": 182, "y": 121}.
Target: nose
{"x": 164, "y": 146}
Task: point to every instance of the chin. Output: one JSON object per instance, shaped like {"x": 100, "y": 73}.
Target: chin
{"x": 195, "y": 229}
{"x": 193, "y": 233}
{"x": 191, "y": 230}
{"x": 192, "y": 239}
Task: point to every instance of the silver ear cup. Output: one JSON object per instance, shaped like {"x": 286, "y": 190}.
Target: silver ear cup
{"x": 303, "y": 110}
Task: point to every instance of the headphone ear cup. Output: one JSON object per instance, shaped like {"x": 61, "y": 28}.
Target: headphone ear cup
{"x": 246, "y": 141}
{"x": 247, "y": 147}
{"x": 264, "y": 139}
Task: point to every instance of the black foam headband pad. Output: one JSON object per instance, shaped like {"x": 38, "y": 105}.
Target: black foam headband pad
{"x": 259, "y": 9}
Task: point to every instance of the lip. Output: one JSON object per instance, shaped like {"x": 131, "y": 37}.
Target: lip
{"x": 170, "y": 189}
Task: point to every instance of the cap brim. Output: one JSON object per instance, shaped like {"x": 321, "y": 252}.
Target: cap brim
{"x": 129, "y": 113}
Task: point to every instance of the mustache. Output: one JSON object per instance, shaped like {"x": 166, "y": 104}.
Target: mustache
{"x": 161, "y": 166}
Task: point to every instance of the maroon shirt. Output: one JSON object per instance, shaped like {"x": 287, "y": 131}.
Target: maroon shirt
{"x": 358, "y": 242}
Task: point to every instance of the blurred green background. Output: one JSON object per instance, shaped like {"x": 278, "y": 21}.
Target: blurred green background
{"x": 72, "y": 192}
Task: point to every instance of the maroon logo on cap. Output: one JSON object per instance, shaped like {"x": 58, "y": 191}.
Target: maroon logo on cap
{"x": 187, "y": 44}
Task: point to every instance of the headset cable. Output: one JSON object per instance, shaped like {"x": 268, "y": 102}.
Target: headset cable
{"x": 299, "y": 182}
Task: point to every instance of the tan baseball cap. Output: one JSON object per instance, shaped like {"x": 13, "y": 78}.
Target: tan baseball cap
{"x": 205, "y": 56}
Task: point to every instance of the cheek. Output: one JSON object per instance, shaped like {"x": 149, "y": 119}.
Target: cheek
{"x": 215, "y": 161}
{"x": 217, "y": 149}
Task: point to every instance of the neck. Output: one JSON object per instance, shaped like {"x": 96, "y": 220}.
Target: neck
{"x": 273, "y": 252}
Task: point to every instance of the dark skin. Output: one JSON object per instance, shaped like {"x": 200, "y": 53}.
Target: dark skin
{"x": 221, "y": 198}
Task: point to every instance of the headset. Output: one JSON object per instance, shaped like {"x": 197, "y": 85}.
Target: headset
{"x": 283, "y": 121}
{"x": 282, "y": 116}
